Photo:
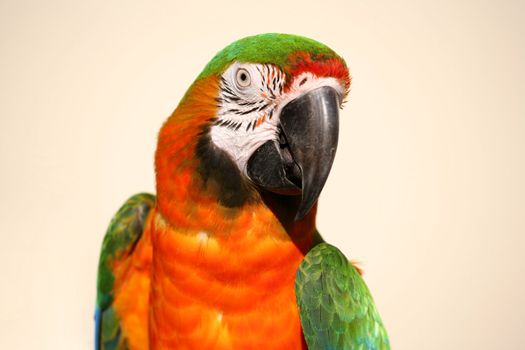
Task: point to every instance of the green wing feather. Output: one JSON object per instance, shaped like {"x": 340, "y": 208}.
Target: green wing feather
{"x": 336, "y": 309}
{"x": 123, "y": 233}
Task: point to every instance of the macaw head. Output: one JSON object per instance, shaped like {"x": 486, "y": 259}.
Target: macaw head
{"x": 267, "y": 110}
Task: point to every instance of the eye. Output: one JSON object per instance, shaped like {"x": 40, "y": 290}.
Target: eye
{"x": 243, "y": 78}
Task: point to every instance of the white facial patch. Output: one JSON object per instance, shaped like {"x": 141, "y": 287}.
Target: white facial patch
{"x": 250, "y": 101}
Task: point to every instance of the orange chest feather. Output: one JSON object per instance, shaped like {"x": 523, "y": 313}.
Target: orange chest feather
{"x": 213, "y": 291}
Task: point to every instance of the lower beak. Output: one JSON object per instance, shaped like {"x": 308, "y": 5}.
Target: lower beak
{"x": 302, "y": 161}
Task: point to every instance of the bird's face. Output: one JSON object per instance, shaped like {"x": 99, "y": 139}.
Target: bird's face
{"x": 279, "y": 124}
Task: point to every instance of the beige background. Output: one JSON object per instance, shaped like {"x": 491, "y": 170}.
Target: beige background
{"x": 427, "y": 190}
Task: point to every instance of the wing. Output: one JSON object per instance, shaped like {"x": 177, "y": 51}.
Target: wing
{"x": 122, "y": 237}
{"x": 336, "y": 309}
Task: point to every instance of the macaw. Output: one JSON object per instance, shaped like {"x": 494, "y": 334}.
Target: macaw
{"x": 227, "y": 255}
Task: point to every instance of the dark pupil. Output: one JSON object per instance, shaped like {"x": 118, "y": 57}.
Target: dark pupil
{"x": 243, "y": 76}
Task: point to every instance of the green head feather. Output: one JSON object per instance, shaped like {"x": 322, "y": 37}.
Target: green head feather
{"x": 271, "y": 48}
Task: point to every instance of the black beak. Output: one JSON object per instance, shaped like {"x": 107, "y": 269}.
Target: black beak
{"x": 301, "y": 161}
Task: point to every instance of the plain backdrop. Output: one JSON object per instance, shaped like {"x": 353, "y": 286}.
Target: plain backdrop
{"x": 427, "y": 191}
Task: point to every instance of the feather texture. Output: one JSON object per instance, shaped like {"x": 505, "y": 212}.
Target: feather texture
{"x": 336, "y": 309}
{"x": 116, "y": 266}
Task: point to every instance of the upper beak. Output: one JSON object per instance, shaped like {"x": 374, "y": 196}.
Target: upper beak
{"x": 304, "y": 157}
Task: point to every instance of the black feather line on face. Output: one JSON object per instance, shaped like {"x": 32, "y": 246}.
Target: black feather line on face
{"x": 229, "y": 94}
{"x": 231, "y": 110}
{"x": 264, "y": 106}
{"x": 261, "y": 73}
{"x": 248, "y": 103}
{"x": 230, "y": 124}
{"x": 249, "y": 111}
{"x": 272, "y": 84}
{"x": 231, "y": 98}
{"x": 226, "y": 87}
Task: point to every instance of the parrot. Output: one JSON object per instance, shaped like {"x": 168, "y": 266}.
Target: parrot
{"x": 227, "y": 255}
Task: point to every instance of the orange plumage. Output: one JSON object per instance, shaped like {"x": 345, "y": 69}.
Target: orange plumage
{"x": 211, "y": 261}
{"x": 223, "y": 277}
